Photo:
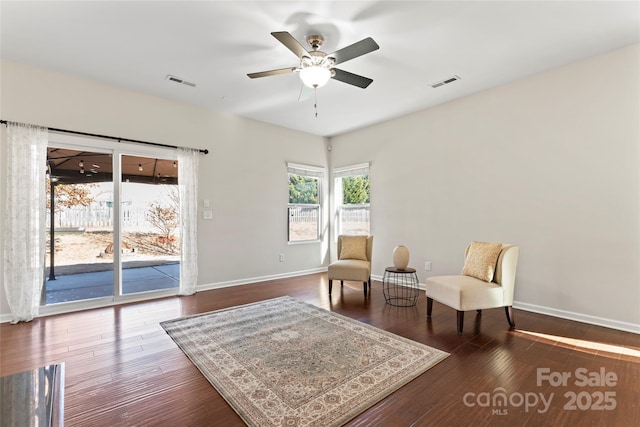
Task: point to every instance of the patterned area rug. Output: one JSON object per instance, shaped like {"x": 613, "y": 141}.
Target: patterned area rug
{"x": 283, "y": 362}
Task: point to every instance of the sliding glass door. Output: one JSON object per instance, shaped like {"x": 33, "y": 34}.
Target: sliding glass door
{"x": 150, "y": 224}
{"x": 113, "y": 231}
{"x": 79, "y": 241}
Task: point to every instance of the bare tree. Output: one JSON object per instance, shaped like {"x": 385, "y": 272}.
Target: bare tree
{"x": 164, "y": 218}
{"x": 174, "y": 197}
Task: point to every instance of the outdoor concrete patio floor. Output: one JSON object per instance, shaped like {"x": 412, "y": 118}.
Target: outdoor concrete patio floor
{"x": 75, "y": 287}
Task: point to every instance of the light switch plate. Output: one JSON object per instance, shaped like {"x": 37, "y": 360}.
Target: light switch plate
{"x": 207, "y": 214}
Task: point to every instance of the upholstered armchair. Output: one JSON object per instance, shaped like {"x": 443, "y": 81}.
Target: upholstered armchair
{"x": 487, "y": 281}
{"x": 354, "y": 261}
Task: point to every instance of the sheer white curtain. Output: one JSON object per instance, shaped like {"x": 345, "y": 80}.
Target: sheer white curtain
{"x": 188, "y": 184}
{"x": 24, "y": 239}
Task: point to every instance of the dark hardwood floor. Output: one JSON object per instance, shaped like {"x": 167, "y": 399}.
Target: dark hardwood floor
{"x": 122, "y": 369}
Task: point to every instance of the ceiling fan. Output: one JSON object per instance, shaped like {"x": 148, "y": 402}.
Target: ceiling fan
{"x": 316, "y": 67}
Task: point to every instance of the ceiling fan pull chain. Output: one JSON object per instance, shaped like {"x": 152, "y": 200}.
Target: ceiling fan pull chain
{"x": 315, "y": 100}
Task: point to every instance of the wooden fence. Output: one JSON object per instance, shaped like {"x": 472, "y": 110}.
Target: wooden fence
{"x": 100, "y": 217}
{"x": 303, "y": 213}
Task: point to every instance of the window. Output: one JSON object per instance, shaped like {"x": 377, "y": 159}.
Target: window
{"x": 352, "y": 199}
{"x": 304, "y": 202}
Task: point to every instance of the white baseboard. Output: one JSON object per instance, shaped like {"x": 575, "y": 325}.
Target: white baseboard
{"x": 218, "y": 285}
{"x": 564, "y": 314}
{"x": 5, "y": 318}
{"x": 579, "y": 317}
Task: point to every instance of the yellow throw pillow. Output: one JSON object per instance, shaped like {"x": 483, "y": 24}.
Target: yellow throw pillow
{"x": 481, "y": 260}
{"x": 354, "y": 247}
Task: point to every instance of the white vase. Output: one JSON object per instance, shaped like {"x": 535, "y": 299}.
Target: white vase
{"x": 400, "y": 257}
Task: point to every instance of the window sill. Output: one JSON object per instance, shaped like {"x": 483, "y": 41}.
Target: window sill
{"x": 303, "y": 242}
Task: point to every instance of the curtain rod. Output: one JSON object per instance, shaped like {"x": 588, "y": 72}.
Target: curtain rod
{"x": 115, "y": 138}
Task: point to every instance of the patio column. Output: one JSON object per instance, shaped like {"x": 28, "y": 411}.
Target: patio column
{"x": 52, "y": 234}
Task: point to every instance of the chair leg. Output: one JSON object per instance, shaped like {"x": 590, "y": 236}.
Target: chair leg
{"x": 508, "y": 310}
{"x": 365, "y": 288}
{"x": 479, "y": 311}
{"x": 330, "y": 285}
{"x": 341, "y": 283}
{"x": 460, "y": 321}
{"x": 429, "y": 306}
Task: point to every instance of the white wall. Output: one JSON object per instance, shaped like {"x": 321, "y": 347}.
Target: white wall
{"x": 550, "y": 163}
{"x": 244, "y": 175}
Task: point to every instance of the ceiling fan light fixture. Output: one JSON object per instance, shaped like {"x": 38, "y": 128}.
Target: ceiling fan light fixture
{"x": 315, "y": 76}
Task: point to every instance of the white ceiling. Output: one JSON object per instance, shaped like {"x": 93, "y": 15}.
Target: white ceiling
{"x": 214, "y": 44}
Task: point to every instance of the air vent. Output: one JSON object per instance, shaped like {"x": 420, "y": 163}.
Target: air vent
{"x": 179, "y": 80}
{"x": 445, "y": 82}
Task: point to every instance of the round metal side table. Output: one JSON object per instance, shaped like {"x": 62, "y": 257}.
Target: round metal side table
{"x": 400, "y": 287}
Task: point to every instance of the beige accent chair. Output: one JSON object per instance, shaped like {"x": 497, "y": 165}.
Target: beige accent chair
{"x": 358, "y": 270}
{"x": 463, "y": 292}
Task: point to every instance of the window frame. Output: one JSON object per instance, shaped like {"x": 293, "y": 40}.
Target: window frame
{"x": 307, "y": 171}
{"x": 344, "y": 172}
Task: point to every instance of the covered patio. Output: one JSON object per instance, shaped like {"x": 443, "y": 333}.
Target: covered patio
{"x": 93, "y": 275}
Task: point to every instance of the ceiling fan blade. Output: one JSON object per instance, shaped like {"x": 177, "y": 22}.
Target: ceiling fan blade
{"x": 353, "y": 51}
{"x": 272, "y": 72}
{"x": 291, "y": 43}
{"x": 352, "y": 79}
